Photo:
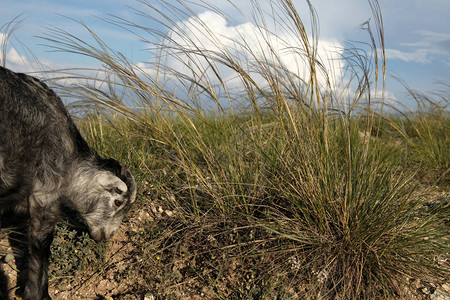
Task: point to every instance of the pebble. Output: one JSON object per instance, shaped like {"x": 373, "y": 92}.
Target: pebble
{"x": 149, "y": 296}
{"x": 9, "y": 258}
{"x": 446, "y": 287}
{"x": 440, "y": 294}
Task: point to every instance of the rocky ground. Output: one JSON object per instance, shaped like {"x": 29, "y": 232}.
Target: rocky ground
{"x": 121, "y": 275}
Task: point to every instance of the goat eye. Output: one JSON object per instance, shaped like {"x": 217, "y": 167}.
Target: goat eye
{"x": 118, "y": 203}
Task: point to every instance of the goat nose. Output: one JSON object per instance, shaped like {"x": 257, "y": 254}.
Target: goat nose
{"x": 99, "y": 235}
{"x": 102, "y": 235}
{"x": 112, "y": 233}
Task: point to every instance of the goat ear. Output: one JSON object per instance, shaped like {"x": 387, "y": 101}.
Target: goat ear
{"x": 114, "y": 166}
{"x": 109, "y": 181}
{"x": 126, "y": 174}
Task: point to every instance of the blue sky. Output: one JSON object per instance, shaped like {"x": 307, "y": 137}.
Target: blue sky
{"x": 417, "y": 32}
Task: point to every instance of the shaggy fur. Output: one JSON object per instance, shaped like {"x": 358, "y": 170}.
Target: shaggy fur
{"x": 47, "y": 170}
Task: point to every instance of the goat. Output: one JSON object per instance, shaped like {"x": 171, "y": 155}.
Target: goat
{"x": 48, "y": 171}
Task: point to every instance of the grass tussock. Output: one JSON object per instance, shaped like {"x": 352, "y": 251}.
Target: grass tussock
{"x": 291, "y": 188}
{"x": 428, "y": 136}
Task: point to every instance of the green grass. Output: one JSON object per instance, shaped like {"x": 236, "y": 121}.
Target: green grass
{"x": 72, "y": 253}
{"x": 291, "y": 195}
{"x": 348, "y": 223}
{"x": 430, "y": 142}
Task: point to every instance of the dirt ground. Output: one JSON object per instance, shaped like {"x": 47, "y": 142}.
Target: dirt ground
{"x": 101, "y": 285}
{"x": 112, "y": 281}
{"x": 93, "y": 287}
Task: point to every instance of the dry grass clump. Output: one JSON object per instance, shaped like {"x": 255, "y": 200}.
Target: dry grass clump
{"x": 286, "y": 189}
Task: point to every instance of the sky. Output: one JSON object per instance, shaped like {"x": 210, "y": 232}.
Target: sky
{"x": 417, "y": 33}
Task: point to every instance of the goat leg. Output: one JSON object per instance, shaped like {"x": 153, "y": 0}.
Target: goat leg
{"x": 40, "y": 237}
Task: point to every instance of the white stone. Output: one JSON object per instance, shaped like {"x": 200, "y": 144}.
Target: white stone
{"x": 149, "y": 296}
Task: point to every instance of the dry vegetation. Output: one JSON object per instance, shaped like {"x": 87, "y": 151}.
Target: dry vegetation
{"x": 289, "y": 195}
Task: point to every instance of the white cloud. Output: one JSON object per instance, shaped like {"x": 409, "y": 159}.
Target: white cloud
{"x": 251, "y": 45}
{"x": 248, "y": 43}
{"x": 13, "y": 57}
{"x": 433, "y": 42}
{"x": 430, "y": 46}
{"x": 419, "y": 56}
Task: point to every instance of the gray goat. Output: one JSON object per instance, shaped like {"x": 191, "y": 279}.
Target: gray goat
{"x": 48, "y": 171}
